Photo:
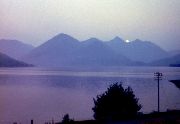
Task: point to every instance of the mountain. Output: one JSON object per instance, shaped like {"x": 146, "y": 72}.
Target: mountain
{"x": 170, "y": 61}
{"x": 6, "y": 61}
{"x": 64, "y": 50}
{"x": 116, "y": 43}
{"x": 57, "y": 51}
{"x": 14, "y": 48}
{"x": 138, "y": 50}
{"x": 96, "y": 52}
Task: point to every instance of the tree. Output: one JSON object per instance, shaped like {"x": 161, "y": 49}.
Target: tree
{"x": 116, "y": 103}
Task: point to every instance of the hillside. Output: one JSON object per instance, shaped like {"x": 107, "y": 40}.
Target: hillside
{"x": 170, "y": 61}
{"x": 13, "y": 48}
{"x": 6, "y": 61}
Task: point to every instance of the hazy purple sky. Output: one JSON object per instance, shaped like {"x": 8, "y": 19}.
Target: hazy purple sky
{"x": 35, "y": 21}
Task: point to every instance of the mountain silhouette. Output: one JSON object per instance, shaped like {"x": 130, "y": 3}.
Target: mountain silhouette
{"x": 96, "y": 52}
{"x": 138, "y": 50}
{"x": 14, "y": 48}
{"x": 57, "y": 51}
{"x": 64, "y": 50}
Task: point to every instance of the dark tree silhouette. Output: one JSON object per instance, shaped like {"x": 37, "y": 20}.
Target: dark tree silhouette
{"x": 116, "y": 103}
{"x": 66, "y": 119}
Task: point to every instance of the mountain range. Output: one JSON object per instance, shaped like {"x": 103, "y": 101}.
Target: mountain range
{"x": 138, "y": 50}
{"x": 64, "y": 50}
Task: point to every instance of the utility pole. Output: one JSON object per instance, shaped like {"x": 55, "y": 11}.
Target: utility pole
{"x": 158, "y": 77}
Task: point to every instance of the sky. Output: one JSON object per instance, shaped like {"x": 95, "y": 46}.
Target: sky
{"x": 36, "y": 21}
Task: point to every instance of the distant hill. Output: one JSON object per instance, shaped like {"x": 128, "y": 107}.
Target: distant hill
{"x": 14, "y": 48}
{"x": 174, "y": 52}
{"x": 64, "y": 50}
{"x": 6, "y": 61}
{"x": 170, "y": 61}
{"x": 138, "y": 50}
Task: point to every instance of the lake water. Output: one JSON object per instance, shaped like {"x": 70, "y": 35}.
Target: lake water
{"x": 44, "y": 94}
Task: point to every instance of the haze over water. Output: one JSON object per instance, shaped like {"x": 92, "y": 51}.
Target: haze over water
{"x": 45, "y": 93}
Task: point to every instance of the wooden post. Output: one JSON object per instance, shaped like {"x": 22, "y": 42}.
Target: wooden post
{"x": 31, "y": 121}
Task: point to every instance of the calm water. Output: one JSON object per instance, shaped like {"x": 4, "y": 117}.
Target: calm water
{"x": 43, "y": 94}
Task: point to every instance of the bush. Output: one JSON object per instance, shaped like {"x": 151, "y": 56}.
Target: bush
{"x": 116, "y": 103}
{"x": 67, "y": 120}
